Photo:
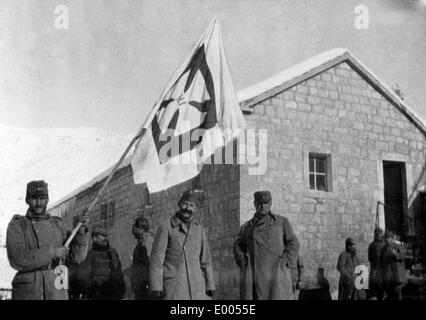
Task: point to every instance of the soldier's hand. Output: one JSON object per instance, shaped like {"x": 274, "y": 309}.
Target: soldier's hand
{"x": 210, "y": 293}
{"x": 61, "y": 252}
{"x": 157, "y": 294}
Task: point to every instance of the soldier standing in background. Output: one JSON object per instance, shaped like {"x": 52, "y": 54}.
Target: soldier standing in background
{"x": 266, "y": 248}
{"x": 139, "y": 274}
{"x": 35, "y": 244}
{"x": 346, "y": 264}
{"x": 375, "y": 290}
{"x": 392, "y": 263}
{"x": 101, "y": 271}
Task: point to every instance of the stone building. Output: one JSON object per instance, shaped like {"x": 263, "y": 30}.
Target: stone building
{"x": 341, "y": 148}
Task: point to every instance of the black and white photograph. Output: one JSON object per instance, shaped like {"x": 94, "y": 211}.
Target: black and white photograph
{"x": 228, "y": 151}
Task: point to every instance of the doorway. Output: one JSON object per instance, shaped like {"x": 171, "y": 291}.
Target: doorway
{"x": 395, "y": 191}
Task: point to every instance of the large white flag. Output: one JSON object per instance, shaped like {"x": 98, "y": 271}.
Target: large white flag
{"x": 188, "y": 122}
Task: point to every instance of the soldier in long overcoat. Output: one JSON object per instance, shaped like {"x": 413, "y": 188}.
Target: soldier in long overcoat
{"x": 375, "y": 290}
{"x": 181, "y": 267}
{"x": 392, "y": 266}
{"x": 266, "y": 248}
{"x": 346, "y": 264}
{"x": 35, "y": 244}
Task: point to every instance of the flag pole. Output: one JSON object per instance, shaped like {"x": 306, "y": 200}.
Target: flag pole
{"x": 117, "y": 165}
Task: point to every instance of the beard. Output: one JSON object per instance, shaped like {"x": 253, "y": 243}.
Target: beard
{"x": 185, "y": 215}
{"x": 39, "y": 210}
{"x": 101, "y": 245}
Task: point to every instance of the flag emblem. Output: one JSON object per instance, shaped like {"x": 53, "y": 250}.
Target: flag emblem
{"x": 204, "y": 108}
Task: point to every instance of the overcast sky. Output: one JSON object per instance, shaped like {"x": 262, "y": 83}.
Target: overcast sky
{"x": 110, "y": 66}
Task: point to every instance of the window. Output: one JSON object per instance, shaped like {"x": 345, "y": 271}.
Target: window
{"x": 104, "y": 214}
{"x": 108, "y": 214}
{"x": 111, "y": 213}
{"x": 319, "y": 172}
{"x": 196, "y": 182}
{"x": 75, "y": 220}
{"x": 147, "y": 197}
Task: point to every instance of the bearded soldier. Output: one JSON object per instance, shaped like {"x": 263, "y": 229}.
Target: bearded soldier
{"x": 181, "y": 267}
{"x": 266, "y": 249}
{"x": 35, "y": 245}
{"x": 101, "y": 270}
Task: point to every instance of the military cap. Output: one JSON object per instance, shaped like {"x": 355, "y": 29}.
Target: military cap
{"x": 37, "y": 188}
{"x": 389, "y": 234}
{"x": 99, "y": 229}
{"x": 142, "y": 222}
{"x": 262, "y": 196}
{"x": 189, "y": 196}
{"x": 349, "y": 242}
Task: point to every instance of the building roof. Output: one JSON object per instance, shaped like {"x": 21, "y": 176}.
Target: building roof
{"x": 103, "y": 175}
{"x": 299, "y": 72}
{"x": 288, "y": 78}
{"x": 311, "y": 67}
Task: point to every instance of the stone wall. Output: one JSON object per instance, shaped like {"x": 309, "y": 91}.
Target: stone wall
{"x": 337, "y": 113}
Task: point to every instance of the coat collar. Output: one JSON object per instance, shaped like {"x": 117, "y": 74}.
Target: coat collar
{"x": 270, "y": 215}
{"x": 176, "y": 222}
{"x": 273, "y": 216}
{"x": 30, "y": 215}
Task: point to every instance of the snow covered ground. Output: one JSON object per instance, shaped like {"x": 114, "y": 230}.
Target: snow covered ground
{"x": 6, "y": 272}
{"x": 64, "y": 157}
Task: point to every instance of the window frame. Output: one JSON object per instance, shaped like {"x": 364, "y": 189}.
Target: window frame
{"x": 330, "y": 174}
{"x": 107, "y": 214}
{"x": 316, "y": 156}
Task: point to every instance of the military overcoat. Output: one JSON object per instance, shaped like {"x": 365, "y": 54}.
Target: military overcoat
{"x": 30, "y": 247}
{"x": 266, "y": 250}
{"x": 180, "y": 261}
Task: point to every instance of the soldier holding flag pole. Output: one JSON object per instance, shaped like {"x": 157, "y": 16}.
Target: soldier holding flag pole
{"x": 35, "y": 247}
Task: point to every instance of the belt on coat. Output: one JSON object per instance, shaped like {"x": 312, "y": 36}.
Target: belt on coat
{"x": 44, "y": 268}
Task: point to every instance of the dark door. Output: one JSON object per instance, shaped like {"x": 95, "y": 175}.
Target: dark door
{"x": 395, "y": 196}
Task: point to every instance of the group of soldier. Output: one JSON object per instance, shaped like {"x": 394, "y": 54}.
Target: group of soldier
{"x": 176, "y": 264}
{"x": 386, "y": 255}
{"x": 387, "y": 274}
